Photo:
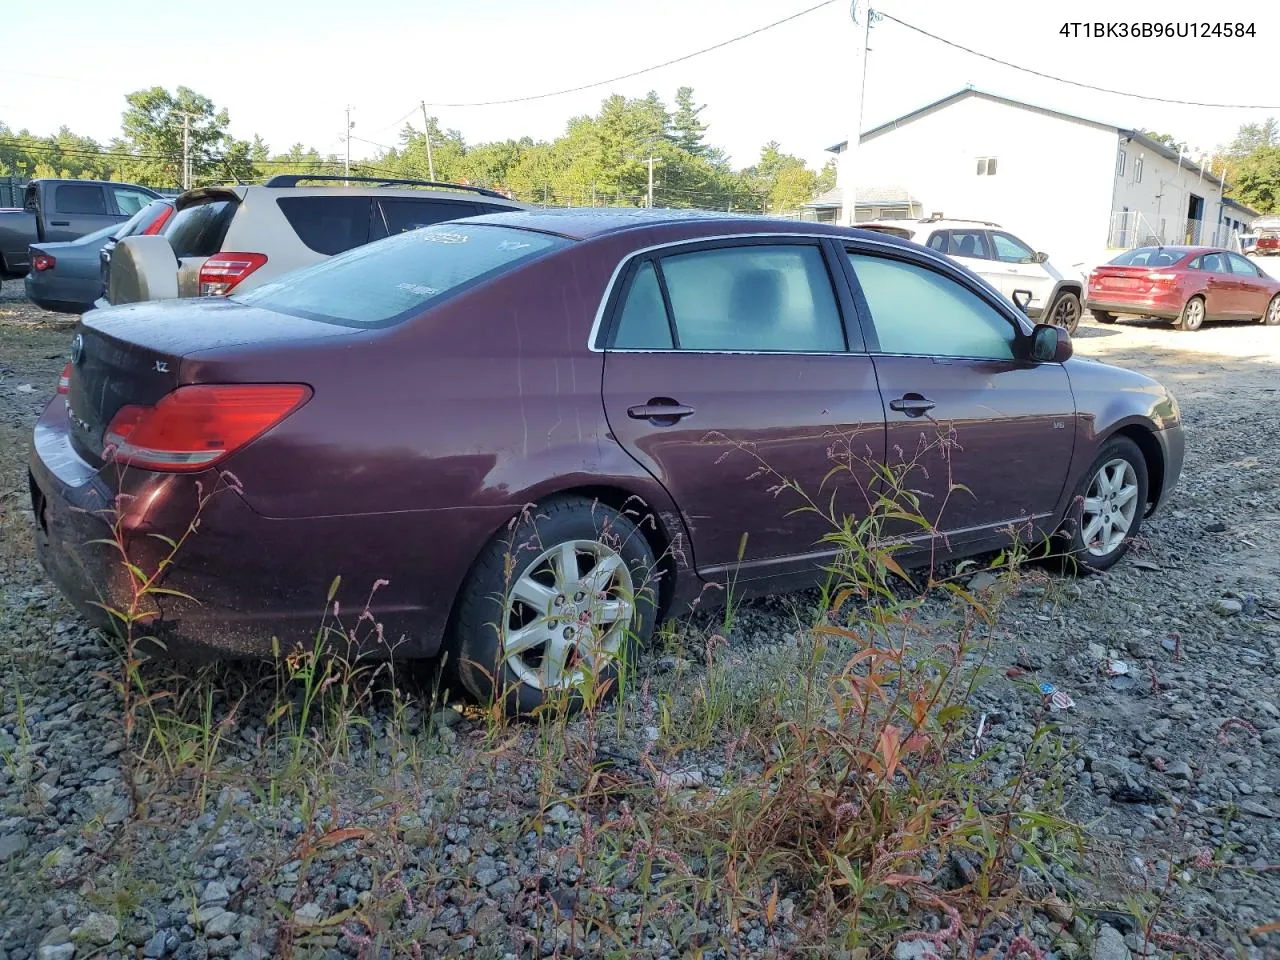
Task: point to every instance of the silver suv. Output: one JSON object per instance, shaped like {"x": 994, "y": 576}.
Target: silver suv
{"x": 238, "y": 237}
{"x": 1001, "y": 259}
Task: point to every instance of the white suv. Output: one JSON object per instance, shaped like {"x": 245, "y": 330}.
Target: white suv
{"x": 237, "y": 237}
{"x": 998, "y": 257}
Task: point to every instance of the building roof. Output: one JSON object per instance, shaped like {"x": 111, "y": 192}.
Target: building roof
{"x": 946, "y": 101}
{"x": 1242, "y": 207}
{"x": 867, "y": 197}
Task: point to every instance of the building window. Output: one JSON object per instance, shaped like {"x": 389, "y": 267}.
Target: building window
{"x": 986, "y": 166}
{"x": 1120, "y": 160}
{"x": 1137, "y": 170}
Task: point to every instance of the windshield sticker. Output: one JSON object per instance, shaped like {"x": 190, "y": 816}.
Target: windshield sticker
{"x": 445, "y": 237}
{"x": 421, "y": 289}
{"x": 514, "y": 245}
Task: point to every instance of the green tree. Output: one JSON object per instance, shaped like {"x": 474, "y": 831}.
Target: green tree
{"x": 1256, "y": 180}
{"x": 687, "y": 131}
{"x": 1167, "y": 140}
{"x": 152, "y": 130}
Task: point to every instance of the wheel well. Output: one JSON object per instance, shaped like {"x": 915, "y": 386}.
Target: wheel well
{"x": 660, "y": 540}
{"x": 1152, "y": 454}
{"x": 1072, "y": 287}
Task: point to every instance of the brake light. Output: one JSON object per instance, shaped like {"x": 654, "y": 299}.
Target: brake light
{"x": 196, "y": 426}
{"x": 42, "y": 261}
{"x": 159, "y": 223}
{"x": 221, "y": 272}
{"x": 64, "y": 381}
{"x": 1162, "y": 277}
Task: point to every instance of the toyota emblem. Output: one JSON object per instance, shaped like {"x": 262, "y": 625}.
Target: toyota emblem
{"x": 77, "y": 349}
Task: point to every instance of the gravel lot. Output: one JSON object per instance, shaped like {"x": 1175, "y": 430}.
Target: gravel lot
{"x": 1174, "y": 772}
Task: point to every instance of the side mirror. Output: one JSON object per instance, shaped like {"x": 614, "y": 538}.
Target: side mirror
{"x": 1050, "y": 344}
{"x": 1040, "y": 257}
{"x": 1023, "y": 299}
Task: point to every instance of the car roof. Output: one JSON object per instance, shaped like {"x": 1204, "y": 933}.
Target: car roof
{"x": 917, "y": 226}
{"x": 241, "y": 191}
{"x": 586, "y": 223}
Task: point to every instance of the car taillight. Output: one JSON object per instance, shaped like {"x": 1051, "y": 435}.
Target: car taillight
{"x": 64, "y": 381}
{"x": 159, "y": 223}
{"x": 196, "y": 426}
{"x": 221, "y": 272}
{"x": 1162, "y": 277}
{"x": 42, "y": 261}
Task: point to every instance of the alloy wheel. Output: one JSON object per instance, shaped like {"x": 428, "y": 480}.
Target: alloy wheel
{"x": 568, "y": 612}
{"x": 1066, "y": 313}
{"x": 1193, "y": 314}
{"x": 1110, "y": 506}
{"x": 1272, "y": 317}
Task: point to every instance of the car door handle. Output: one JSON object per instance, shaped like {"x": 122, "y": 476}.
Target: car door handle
{"x": 59, "y": 223}
{"x": 660, "y": 410}
{"x": 912, "y": 404}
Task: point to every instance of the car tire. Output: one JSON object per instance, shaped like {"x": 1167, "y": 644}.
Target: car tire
{"x": 1065, "y": 312}
{"x": 523, "y": 563}
{"x": 1103, "y": 317}
{"x": 1192, "y": 316}
{"x": 1107, "y": 510}
{"x": 1272, "y": 316}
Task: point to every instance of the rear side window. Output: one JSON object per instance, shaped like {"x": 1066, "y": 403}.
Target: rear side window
{"x": 968, "y": 243}
{"x": 643, "y": 324}
{"x": 328, "y": 225}
{"x": 80, "y": 199}
{"x": 198, "y": 231}
{"x": 392, "y": 215}
{"x": 390, "y": 280}
{"x": 757, "y": 298}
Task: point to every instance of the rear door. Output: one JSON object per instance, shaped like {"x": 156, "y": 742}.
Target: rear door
{"x": 728, "y": 376}
{"x": 1253, "y": 293}
{"x": 77, "y": 209}
{"x": 977, "y": 431}
{"x": 1220, "y": 286}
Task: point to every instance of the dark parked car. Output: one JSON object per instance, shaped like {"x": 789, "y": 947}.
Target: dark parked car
{"x": 1187, "y": 285}
{"x": 69, "y": 277}
{"x": 390, "y": 413}
{"x": 54, "y": 211}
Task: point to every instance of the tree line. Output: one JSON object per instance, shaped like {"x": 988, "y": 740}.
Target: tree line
{"x": 601, "y": 159}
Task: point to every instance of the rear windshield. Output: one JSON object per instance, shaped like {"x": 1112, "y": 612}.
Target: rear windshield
{"x": 891, "y": 231}
{"x": 198, "y": 231}
{"x": 1149, "y": 257}
{"x": 390, "y": 280}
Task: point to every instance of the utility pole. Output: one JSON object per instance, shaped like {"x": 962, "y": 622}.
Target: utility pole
{"x": 649, "y": 200}
{"x": 346, "y": 167}
{"x": 426, "y": 132}
{"x": 186, "y": 146}
{"x": 862, "y": 19}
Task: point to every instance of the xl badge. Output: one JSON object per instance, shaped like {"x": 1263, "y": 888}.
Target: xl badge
{"x": 77, "y": 349}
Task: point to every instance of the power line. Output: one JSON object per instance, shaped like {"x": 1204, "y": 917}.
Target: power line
{"x": 1075, "y": 83}
{"x": 636, "y": 73}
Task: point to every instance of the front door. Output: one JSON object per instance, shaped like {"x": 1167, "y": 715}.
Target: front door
{"x": 727, "y": 376}
{"x": 978, "y": 432}
{"x": 77, "y": 209}
{"x": 1253, "y": 294}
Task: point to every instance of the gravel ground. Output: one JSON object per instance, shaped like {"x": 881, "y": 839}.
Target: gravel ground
{"x": 1176, "y": 758}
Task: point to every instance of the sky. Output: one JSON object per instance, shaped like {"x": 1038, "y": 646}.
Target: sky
{"x": 289, "y": 70}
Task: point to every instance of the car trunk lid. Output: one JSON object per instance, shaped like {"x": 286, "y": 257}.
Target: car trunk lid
{"x": 1112, "y": 278}
{"x": 134, "y": 355}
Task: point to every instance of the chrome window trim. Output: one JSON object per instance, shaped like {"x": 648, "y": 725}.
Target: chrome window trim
{"x": 924, "y": 253}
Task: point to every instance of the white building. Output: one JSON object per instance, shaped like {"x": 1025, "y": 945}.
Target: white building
{"x": 1072, "y": 187}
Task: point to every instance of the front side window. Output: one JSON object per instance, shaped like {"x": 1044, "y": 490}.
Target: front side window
{"x": 390, "y": 280}
{"x": 1010, "y": 249}
{"x": 83, "y": 199}
{"x": 765, "y": 298}
{"x": 918, "y": 312}
{"x": 130, "y": 201}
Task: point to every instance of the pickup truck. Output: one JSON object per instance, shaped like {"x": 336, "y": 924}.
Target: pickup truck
{"x": 58, "y": 210}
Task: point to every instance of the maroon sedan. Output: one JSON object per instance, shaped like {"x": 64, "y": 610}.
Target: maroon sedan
{"x": 1187, "y": 285}
{"x": 544, "y": 431}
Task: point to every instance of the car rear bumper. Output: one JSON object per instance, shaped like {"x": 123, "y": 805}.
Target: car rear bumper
{"x": 60, "y": 294}
{"x": 1162, "y": 308}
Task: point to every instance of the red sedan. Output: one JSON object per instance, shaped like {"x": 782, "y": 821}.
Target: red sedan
{"x": 1187, "y": 285}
